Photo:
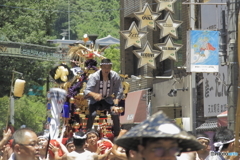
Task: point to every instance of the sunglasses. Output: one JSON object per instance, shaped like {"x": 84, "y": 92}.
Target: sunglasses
{"x": 160, "y": 151}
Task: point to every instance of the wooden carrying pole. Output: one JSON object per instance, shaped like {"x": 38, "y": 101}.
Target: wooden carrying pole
{"x": 237, "y": 121}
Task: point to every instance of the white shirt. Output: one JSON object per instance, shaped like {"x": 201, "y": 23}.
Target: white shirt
{"x": 12, "y": 157}
{"x": 87, "y": 155}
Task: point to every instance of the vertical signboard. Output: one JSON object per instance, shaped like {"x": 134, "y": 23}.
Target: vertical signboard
{"x": 215, "y": 92}
{"x": 203, "y": 51}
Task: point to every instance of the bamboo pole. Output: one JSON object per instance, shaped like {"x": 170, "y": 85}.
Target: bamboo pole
{"x": 237, "y": 127}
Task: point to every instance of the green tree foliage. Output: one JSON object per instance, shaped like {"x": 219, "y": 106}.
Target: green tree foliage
{"x": 4, "y": 105}
{"x": 34, "y": 72}
{"x": 113, "y": 53}
{"x": 29, "y": 110}
{"x": 90, "y": 17}
{"x": 27, "y": 21}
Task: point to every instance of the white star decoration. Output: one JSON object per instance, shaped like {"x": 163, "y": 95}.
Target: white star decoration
{"x": 165, "y": 4}
{"x": 169, "y": 49}
{"x": 133, "y": 36}
{"x": 147, "y": 17}
{"x": 168, "y": 26}
{"x": 147, "y": 56}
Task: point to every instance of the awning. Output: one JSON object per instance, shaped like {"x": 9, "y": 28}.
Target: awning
{"x": 67, "y": 41}
{"x": 211, "y": 125}
{"x": 222, "y": 119}
{"x": 135, "y": 107}
{"x": 107, "y": 41}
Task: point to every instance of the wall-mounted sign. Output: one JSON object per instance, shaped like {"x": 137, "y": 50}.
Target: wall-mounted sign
{"x": 215, "y": 92}
{"x": 168, "y": 26}
{"x": 133, "y": 36}
{"x": 147, "y": 56}
{"x": 202, "y": 50}
{"x": 169, "y": 49}
{"x": 165, "y": 5}
{"x": 147, "y": 17}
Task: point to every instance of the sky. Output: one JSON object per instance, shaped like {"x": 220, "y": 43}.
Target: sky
{"x": 212, "y": 15}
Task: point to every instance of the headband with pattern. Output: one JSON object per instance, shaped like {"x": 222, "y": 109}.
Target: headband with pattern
{"x": 105, "y": 64}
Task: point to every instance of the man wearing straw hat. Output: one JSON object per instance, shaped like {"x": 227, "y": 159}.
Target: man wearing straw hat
{"x": 158, "y": 138}
{"x": 101, "y": 87}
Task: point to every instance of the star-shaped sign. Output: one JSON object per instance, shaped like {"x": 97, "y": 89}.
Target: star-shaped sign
{"x": 147, "y": 56}
{"x": 168, "y": 26}
{"x": 133, "y": 36}
{"x": 147, "y": 17}
{"x": 165, "y": 4}
{"x": 169, "y": 49}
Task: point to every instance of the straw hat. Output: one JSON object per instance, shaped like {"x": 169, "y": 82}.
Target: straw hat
{"x": 158, "y": 126}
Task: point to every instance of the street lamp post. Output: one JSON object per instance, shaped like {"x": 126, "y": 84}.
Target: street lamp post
{"x": 11, "y": 103}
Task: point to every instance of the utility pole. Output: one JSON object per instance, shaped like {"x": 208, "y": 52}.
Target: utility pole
{"x": 11, "y": 98}
{"x": 69, "y": 20}
{"x": 193, "y": 90}
{"x": 223, "y": 40}
{"x": 232, "y": 63}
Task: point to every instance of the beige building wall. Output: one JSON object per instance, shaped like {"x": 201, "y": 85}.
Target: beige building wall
{"x": 175, "y": 107}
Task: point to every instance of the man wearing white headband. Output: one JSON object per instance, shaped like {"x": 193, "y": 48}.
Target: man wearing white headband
{"x": 224, "y": 141}
{"x": 102, "y": 86}
{"x": 79, "y": 139}
{"x": 205, "y": 141}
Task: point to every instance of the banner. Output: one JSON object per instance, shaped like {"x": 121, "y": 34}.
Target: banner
{"x": 202, "y": 50}
{"x": 215, "y": 92}
{"x": 32, "y": 51}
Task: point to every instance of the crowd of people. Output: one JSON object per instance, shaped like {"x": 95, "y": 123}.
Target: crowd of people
{"x": 156, "y": 138}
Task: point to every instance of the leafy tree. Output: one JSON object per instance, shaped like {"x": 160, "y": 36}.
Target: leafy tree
{"x": 31, "y": 111}
{"x": 4, "y": 105}
{"x": 113, "y": 53}
{"x": 27, "y": 21}
{"x": 34, "y": 72}
{"x": 100, "y": 17}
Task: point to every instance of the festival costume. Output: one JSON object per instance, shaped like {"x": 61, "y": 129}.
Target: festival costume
{"x": 215, "y": 156}
{"x": 114, "y": 87}
{"x": 12, "y": 157}
{"x": 86, "y": 155}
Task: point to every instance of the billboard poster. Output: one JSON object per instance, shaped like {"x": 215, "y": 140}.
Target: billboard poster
{"x": 215, "y": 92}
{"x": 203, "y": 51}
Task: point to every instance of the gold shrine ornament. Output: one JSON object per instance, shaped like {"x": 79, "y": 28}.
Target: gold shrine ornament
{"x": 147, "y": 17}
{"x": 147, "y": 56}
{"x": 165, "y": 5}
{"x": 62, "y": 73}
{"x": 169, "y": 49}
{"x": 133, "y": 36}
{"x": 168, "y": 26}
